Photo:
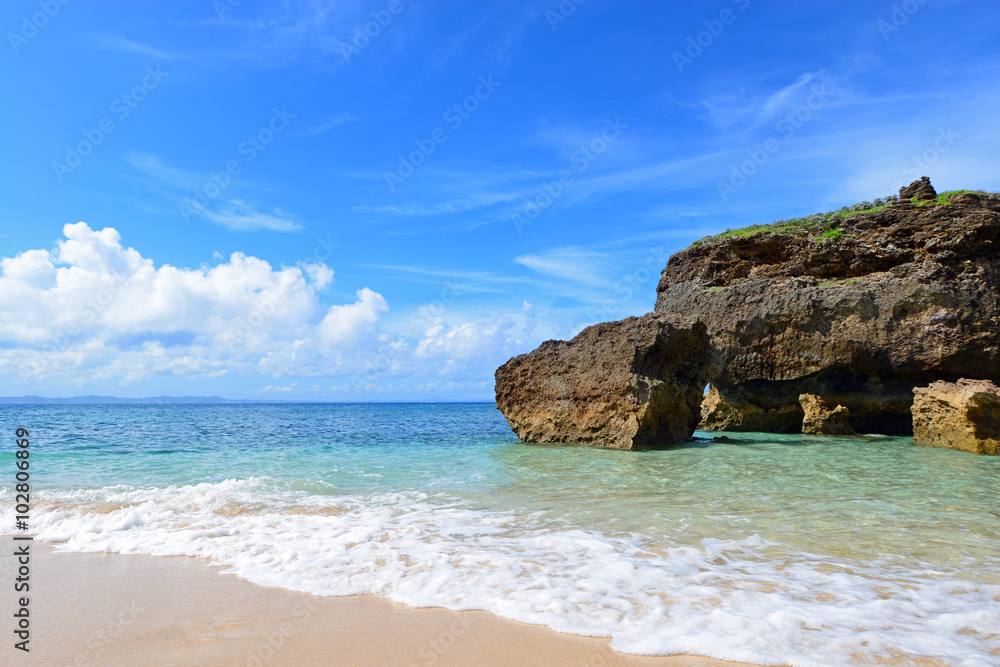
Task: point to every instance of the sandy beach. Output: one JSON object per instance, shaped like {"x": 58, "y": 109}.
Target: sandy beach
{"x": 110, "y": 609}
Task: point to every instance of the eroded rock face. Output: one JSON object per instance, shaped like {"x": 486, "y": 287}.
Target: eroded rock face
{"x": 633, "y": 383}
{"x": 820, "y": 419}
{"x": 961, "y": 415}
{"x": 921, "y": 189}
{"x": 904, "y": 296}
{"x": 718, "y": 414}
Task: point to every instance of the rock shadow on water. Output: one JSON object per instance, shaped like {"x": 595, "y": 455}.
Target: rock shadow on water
{"x": 751, "y": 438}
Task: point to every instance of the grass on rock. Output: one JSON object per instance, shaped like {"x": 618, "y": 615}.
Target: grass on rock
{"x": 827, "y": 225}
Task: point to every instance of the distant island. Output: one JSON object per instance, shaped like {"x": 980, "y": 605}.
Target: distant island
{"x": 96, "y": 400}
{"x": 176, "y": 400}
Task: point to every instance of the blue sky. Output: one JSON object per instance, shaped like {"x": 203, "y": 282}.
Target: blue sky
{"x": 309, "y": 200}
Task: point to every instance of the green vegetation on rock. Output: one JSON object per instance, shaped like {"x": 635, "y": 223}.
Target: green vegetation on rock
{"x": 821, "y": 224}
{"x": 944, "y": 198}
{"x": 826, "y": 225}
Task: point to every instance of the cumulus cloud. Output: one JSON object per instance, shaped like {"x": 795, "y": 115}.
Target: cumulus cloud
{"x": 348, "y": 323}
{"x": 474, "y": 349}
{"x": 468, "y": 340}
{"x": 93, "y": 308}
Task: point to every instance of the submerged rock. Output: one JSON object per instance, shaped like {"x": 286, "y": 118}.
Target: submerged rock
{"x": 962, "y": 415}
{"x": 636, "y": 382}
{"x": 858, "y": 308}
{"x": 820, "y": 419}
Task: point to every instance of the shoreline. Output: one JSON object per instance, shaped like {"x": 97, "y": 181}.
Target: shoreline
{"x": 110, "y": 609}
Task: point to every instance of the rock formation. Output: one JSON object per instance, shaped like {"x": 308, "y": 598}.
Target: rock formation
{"x": 636, "y": 382}
{"x": 856, "y": 307}
{"x": 718, "y": 415}
{"x": 819, "y": 419}
{"x": 922, "y": 190}
{"x": 963, "y": 415}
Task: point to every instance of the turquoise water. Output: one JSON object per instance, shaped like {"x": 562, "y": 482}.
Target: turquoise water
{"x": 768, "y": 549}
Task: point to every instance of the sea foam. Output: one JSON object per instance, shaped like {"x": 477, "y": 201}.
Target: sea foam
{"x": 750, "y": 599}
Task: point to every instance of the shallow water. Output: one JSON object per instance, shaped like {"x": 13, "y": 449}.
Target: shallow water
{"x": 768, "y": 549}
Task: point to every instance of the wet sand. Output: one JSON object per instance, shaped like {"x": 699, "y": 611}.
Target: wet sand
{"x": 111, "y": 609}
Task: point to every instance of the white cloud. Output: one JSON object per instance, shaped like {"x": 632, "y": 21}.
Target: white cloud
{"x": 231, "y": 212}
{"x": 572, "y": 263}
{"x": 469, "y": 340}
{"x": 120, "y": 43}
{"x": 731, "y": 109}
{"x": 94, "y": 309}
{"x": 349, "y": 323}
{"x": 33, "y": 268}
{"x": 151, "y": 165}
{"x": 780, "y": 100}
{"x": 328, "y": 124}
{"x": 242, "y": 217}
{"x": 273, "y": 388}
{"x": 465, "y": 203}
{"x": 472, "y": 350}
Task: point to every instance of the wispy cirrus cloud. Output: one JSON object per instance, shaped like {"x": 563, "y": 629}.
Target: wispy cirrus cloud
{"x": 499, "y": 197}
{"x": 327, "y": 124}
{"x": 571, "y": 263}
{"x": 233, "y": 212}
{"x": 780, "y": 100}
{"x": 462, "y": 205}
{"x": 240, "y": 216}
{"x": 263, "y": 35}
{"x": 151, "y": 165}
{"x": 749, "y": 107}
{"x": 120, "y": 43}
{"x": 461, "y": 281}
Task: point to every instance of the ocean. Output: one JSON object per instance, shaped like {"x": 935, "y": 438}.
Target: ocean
{"x": 764, "y": 548}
